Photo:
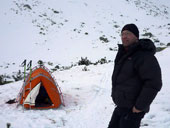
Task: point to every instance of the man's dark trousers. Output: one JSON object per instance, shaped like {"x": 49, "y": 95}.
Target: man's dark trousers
{"x": 125, "y": 118}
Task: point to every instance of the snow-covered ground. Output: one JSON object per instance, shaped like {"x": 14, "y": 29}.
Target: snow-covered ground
{"x": 86, "y": 95}
{"x": 87, "y": 101}
{"x": 61, "y": 32}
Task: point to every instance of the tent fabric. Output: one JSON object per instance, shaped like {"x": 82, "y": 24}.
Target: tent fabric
{"x": 32, "y": 95}
{"x": 40, "y": 90}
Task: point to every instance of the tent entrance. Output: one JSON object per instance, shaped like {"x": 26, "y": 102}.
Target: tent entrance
{"x": 42, "y": 99}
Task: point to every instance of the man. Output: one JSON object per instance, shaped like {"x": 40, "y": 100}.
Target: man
{"x": 136, "y": 79}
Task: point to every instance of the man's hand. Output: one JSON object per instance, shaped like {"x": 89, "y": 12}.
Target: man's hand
{"x": 134, "y": 110}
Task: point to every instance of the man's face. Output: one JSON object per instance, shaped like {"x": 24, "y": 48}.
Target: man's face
{"x": 128, "y": 38}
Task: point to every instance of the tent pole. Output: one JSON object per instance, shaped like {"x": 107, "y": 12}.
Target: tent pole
{"x": 23, "y": 90}
{"x": 29, "y": 66}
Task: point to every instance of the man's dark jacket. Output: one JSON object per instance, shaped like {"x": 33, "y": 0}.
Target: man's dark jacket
{"x": 136, "y": 78}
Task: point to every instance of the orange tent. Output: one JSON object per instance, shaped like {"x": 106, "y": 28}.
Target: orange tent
{"x": 40, "y": 90}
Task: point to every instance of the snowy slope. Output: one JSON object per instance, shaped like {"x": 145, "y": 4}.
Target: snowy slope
{"x": 61, "y": 32}
{"x": 64, "y": 31}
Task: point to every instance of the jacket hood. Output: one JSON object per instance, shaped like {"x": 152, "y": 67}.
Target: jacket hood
{"x": 147, "y": 45}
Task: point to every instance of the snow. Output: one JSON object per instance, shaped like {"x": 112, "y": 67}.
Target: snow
{"x": 88, "y": 103}
{"x": 80, "y": 96}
